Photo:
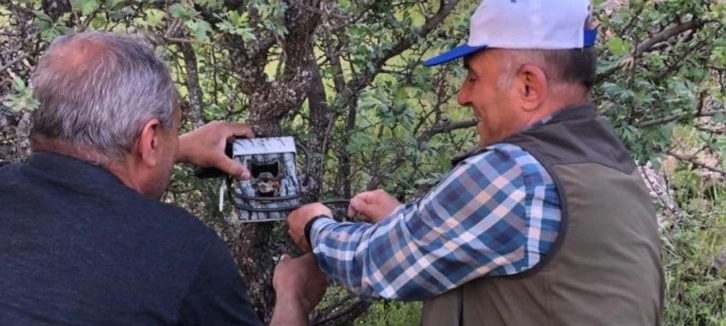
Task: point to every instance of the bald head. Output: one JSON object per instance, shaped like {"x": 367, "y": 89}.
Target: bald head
{"x": 97, "y": 90}
{"x": 76, "y": 54}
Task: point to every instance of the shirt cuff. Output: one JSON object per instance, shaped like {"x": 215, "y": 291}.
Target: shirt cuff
{"x": 316, "y": 228}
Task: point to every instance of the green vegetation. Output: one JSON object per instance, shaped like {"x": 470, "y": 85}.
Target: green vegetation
{"x": 345, "y": 79}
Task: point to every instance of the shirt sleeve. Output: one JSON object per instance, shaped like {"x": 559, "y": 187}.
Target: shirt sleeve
{"x": 218, "y": 295}
{"x": 496, "y": 213}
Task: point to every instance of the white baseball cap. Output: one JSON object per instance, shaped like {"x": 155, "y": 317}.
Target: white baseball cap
{"x": 525, "y": 24}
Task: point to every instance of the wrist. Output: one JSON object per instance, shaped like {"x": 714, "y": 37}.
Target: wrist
{"x": 289, "y": 311}
{"x": 309, "y": 228}
{"x": 181, "y": 152}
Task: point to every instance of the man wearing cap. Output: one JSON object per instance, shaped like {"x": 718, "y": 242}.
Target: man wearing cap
{"x": 547, "y": 222}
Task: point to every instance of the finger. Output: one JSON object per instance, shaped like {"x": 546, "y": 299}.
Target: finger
{"x": 353, "y": 207}
{"x": 240, "y": 129}
{"x": 357, "y": 200}
{"x": 283, "y": 258}
{"x": 299, "y": 241}
{"x": 351, "y": 210}
{"x": 362, "y": 207}
{"x": 233, "y": 168}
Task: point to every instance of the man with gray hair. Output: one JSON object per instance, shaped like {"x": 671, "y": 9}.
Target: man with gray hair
{"x": 84, "y": 237}
{"x": 546, "y": 222}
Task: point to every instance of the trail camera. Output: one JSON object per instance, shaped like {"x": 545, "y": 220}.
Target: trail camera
{"x": 273, "y": 189}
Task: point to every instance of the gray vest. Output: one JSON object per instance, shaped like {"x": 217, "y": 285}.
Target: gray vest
{"x": 605, "y": 266}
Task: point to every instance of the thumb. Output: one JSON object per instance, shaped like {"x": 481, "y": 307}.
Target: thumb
{"x": 284, "y": 258}
{"x": 358, "y": 202}
{"x": 360, "y": 206}
{"x": 234, "y": 168}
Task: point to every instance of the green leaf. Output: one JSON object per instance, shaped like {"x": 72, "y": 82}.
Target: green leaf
{"x": 200, "y": 28}
{"x": 719, "y": 117}
{"x": 111, "y": 4}
{"x": 155, "y": 17}
{"x": 248, "y": 34}
{"x": 86, "y": 7}
{"x": 178, "y": 10}
{"x": 618, "y": 46}
{"x": 18, "y": 84}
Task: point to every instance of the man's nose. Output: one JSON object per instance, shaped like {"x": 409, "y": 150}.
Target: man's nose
{"x": 463, "y": 97}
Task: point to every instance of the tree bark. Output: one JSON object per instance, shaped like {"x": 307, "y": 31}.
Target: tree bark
{"x": 192, "y": 82}
{"x": 321, "y": 120}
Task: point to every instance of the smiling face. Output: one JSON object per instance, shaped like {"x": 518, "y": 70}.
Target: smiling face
{"x": 493, "y": 94}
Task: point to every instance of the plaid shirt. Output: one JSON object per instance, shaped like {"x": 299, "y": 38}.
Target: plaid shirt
{"x": 495, "y": 213}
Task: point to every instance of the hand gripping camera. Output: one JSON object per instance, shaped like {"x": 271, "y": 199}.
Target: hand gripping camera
{"x": 273, "y": 188}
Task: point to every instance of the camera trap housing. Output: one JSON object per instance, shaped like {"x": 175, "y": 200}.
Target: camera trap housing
{"x": 273, "y": 189}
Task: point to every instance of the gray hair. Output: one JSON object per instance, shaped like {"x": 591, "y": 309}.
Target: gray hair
{"x": 562, "y": 67}
{"x": 103, "y": 102}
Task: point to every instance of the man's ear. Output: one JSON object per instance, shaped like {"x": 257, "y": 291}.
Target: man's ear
{"x": 149, "y": 142}
{"x": 531, "y": 87}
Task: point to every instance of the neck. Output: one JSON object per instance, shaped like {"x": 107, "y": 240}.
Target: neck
{"x": 125, "y": 169}
{"x": 39, "y": 143}
{"x": 558, "y": 103}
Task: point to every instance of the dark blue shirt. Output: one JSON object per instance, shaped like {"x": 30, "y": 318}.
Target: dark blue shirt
{"x": 78, "y": 247}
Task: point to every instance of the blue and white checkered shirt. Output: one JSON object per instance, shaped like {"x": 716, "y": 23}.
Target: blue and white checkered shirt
{"x": 495, "y": 213}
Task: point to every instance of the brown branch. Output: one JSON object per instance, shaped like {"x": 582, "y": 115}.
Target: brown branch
{"x": 342, "y": 316}
{"x": 185, "y": 41}
{"x": 695, "y": 162}
{"x": 649, "y": 44}
{"x": 14, "y": 61}
{"x": 711, "y": 131}
{"x": 192, "y": 83}
{"x": 447, "y": 127}
{"x": 664, "y": 120}
{"x": 445, "y": 8}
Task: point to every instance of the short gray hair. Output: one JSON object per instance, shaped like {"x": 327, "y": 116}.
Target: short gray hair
{"x": 568, "y": 66}
{"x": 102, "y": 103}
{"x": 575, "y": 66}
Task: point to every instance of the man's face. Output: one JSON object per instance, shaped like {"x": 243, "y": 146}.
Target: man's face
{"x": 161, "y": 176}
{"x": 496, "y": 106}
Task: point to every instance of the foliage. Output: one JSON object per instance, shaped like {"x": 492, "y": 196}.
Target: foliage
{"x": 345, "y": 79}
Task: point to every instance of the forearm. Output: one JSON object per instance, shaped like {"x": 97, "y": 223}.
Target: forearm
{"x": 289, "y": 312}
{"x": 182, "y": 153}
{"x": 371, "y": 260}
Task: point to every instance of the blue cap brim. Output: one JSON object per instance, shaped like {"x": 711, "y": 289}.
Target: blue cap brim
{"x": 453, "y": 54}
{"x": 590, "y": 37}
{"x": 464, "y": 50}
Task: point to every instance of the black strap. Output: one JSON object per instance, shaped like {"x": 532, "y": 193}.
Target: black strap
{"x": 309, "y": 226}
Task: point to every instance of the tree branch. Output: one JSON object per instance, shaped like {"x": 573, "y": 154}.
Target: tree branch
{"x": 14, "y": 61}
{"x": 664, "y": 120}
{"x": 192, "y": 82}
{"x": 343, "y": 316}
{"x": 695, "y": 162}
{"x": 447, "y": 127}
{"x": 649, "y": 44}
{"x": 445, "y": 8}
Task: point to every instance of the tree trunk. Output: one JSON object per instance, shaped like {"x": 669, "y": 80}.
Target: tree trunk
{"x": 253, "y": 243}
{"x": 320, "y": 124}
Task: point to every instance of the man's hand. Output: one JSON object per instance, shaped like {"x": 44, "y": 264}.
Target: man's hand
{"x": 373, "y": 205}
{"x": 204, "y": 147}
{"x": 297, "y": 219}
{"x": 299, "y": 286}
